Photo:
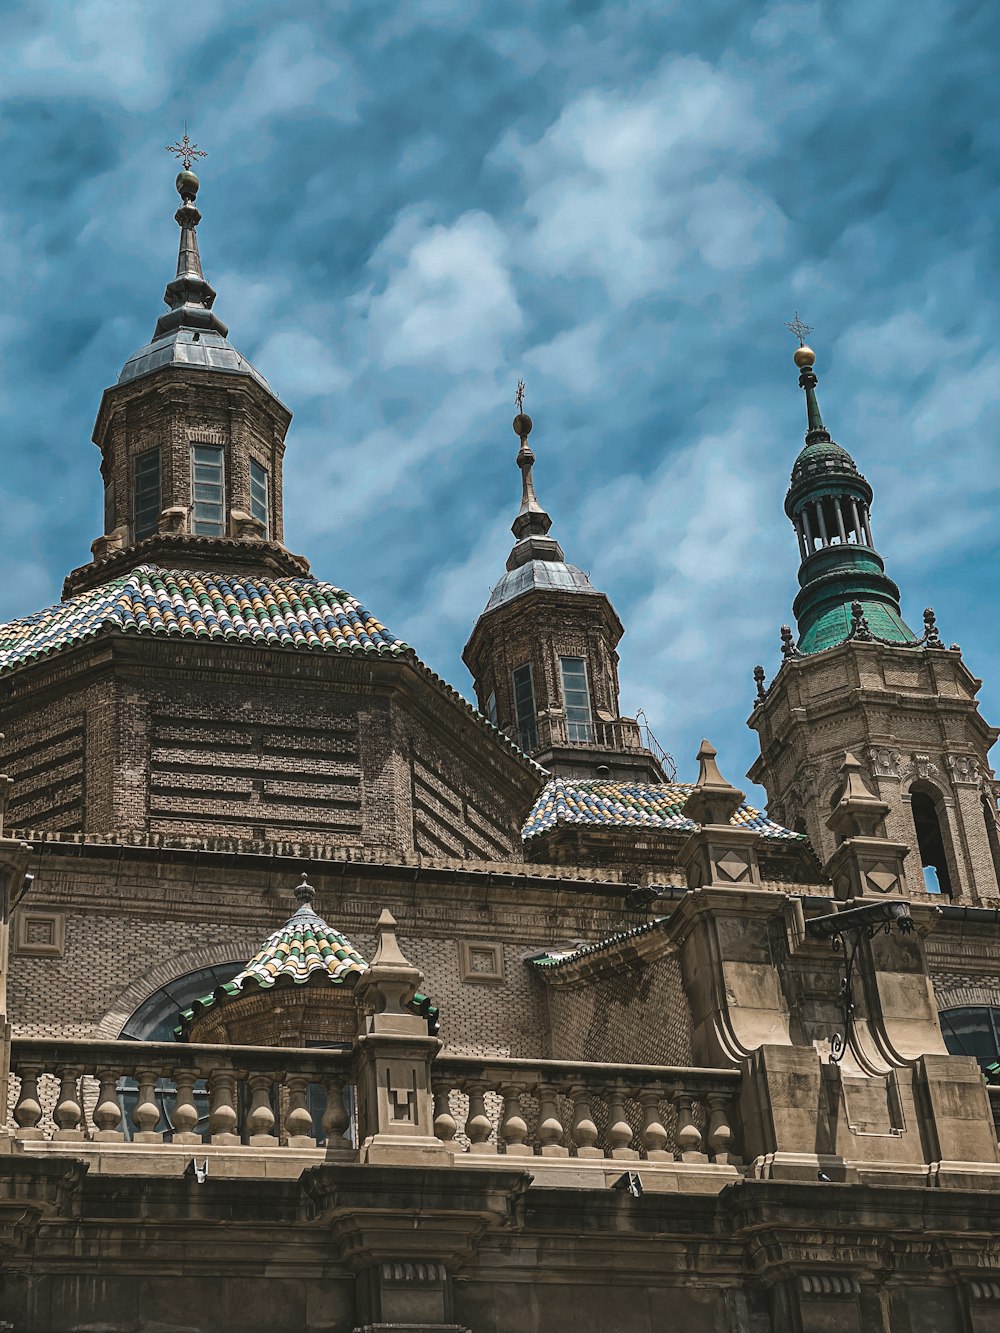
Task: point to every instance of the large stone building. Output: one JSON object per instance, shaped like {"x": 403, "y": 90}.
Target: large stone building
{"x": 551, "y": 1040}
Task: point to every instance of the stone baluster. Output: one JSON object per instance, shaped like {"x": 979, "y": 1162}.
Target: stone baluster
{"x": 68, "y": 1114}
{"x": 223, "y": 1122}
{"x": 584, "y": 1129}
{"x": 185, "y": 1117}
{"x": 688, "y": 1134}
{"x": 299, "y": 1120}
{"x": 336, "y": 1118}
{"x": 514, "y": 1127}
{"x": 260, "y": 1119}
{"x": 108, "y": 1111}
{"x": 620, "y": 1132}
{"x": 720, "y": 1133}
{"x": 28, "y": 1110}
{"x": 477, "y": 1126}
{"x": 146, "y": 1114}
{"x": 654, "y": 1137}
{"x": 445, "y": 1124}
{"x": 550, "y": 1127}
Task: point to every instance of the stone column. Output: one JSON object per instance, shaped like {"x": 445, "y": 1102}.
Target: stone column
{"x": 393, "y": 1055}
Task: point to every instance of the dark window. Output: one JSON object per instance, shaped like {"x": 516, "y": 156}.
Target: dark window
{"x": 524, "y": 708}
{"x": 208, "y": 491}
{"x": 146, "y": 513}
{"x": 930, "y": 843}
{"x": 109, "y": 507}
{"x": 975, "y": 1031}
{"x": 491, "y": 707}
{"x": 260, "y": 508}
{"x": 576, "y": 699}
{"x": 155, "y": 1020}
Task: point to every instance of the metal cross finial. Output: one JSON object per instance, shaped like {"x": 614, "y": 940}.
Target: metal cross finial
{"x": 186, "y": 150}
{"x": 799, "y": 329}
{"x": 519, "y": 396}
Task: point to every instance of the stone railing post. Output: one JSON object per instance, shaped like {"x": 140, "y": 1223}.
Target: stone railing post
{"x": 654, "y": 1137}
{"x": 28, "y": 1110}
{"x": 299, "y": 1119}
{"x": 688, "y": 1134}
{"x": 185, "y": 1117}
{"x": 720, "y": 1133}
{"x": 68, "y": 1114}
{"x": 584, "y": 1129}
{"x": 336, "y": 1119}
{"x": 513, "y": 1126}
{"x": 108, "y": 1111}
{"x": 146, "y": 1114}
{"x": 261, "y": 1119}
{"x": 550, "y": 1127}
{"x": 393, "y": 1056}
{"x": 478, "y": 1126}
{"x": 223, "y": 1122}
{"x": 620, "y": 1133}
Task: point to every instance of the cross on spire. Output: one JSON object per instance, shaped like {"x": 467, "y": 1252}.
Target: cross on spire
{"x": 519, "y": 396}
{"x": 800, "y": 330}
{"x": 184, "y": 149}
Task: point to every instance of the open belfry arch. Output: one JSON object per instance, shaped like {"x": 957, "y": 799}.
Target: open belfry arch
{"x": 330, "y": 1002}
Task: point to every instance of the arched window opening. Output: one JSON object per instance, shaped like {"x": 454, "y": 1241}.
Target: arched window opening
{"x": 974, "y": 1030}
{"x": 155, "y": 1020}
{"x": 992, "y": 833}
{"x": 930, "y": 843}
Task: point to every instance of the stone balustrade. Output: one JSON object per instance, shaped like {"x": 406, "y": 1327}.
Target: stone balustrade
{"x": 554, "y": 1108}
{"x": 151, "y": 1093}
{"x": 165, "y": 1092}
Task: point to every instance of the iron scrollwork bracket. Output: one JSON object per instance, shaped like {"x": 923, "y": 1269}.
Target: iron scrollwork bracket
{"x": 846, "y": 930}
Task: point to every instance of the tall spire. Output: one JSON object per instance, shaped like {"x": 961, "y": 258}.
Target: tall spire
{"x": 829, "y": 504}
{"x": 531, "y": 520}
{"x": 189, "y": 296}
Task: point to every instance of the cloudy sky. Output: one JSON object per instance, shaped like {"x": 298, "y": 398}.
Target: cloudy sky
{"x": 407, "y": 206}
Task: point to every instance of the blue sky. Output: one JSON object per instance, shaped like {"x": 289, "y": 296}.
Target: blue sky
{"x": 408, "y": 206}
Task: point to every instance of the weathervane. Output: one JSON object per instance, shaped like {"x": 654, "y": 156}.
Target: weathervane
{"x": 799, "y": 329}
{"x": 186, "y": 150}
{"x": 519, "y": 396}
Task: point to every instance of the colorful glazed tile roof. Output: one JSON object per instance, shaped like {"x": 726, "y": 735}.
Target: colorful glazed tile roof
{"x": 557, "y": 957}
{"x": 305, "y": 944}
{"x": 304, "y": 948}
{"x": 298, "y": 613}
{"x": 653, "y": 805}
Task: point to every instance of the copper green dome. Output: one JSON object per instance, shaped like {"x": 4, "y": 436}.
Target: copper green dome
{"x": 844, "y": 591}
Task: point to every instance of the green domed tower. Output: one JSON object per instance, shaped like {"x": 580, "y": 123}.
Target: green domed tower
{"x": 858, "y": 679}
{"x": 843, "y": 588}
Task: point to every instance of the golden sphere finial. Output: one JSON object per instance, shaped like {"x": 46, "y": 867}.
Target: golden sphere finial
{"x": 804, "y": 356}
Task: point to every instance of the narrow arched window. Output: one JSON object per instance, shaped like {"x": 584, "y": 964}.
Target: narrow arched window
{"x": 930, "y": 842}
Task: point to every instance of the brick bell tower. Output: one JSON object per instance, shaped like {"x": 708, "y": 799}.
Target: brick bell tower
{"x": 191, "y": 462}
{"x": 543, "y": 655}
{"x": 859, "y": 679}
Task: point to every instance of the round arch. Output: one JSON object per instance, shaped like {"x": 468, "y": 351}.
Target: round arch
{"x": 138, "y": 992}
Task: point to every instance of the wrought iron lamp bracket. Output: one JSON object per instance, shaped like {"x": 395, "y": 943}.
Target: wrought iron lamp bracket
{"x": 845, "y": 930}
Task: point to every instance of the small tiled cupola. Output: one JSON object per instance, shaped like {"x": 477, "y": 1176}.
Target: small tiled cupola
{"x": 543, "y": 655}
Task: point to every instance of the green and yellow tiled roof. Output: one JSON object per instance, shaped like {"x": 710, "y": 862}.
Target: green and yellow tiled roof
{"x": 557, "y": 957}
{"x": 302, "y": 614}
{"x": 305, "y": 944}
{"x": 653, "y": 805}
{"x": 305, "y": 949}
